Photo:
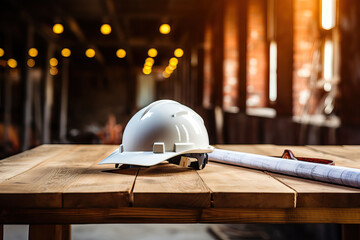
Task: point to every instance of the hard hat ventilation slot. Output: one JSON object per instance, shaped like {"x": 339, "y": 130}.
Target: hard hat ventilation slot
{"x": 121, "y": 148}
{"x": 180, "y": 113}
{"x": 181, "y": 147}
{"x": 159, "y": 147}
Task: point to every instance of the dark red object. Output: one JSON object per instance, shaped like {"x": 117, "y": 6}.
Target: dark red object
{"x": 288, "y": 154}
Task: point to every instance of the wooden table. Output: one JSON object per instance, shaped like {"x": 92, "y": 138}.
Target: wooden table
{"x": 52, "y": 186}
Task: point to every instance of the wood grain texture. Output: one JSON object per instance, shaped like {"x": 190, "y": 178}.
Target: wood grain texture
{"x": 169, "y": 185}
{"x": 169, "y": 215}
{"x": 286, "y": 215}
{"x": 24, "y": 161}
{"x": 311, "y": 193}
{"x": 42, "y": 186}
{"x": 242, "y": 187}
{"x": 100, "y": 186}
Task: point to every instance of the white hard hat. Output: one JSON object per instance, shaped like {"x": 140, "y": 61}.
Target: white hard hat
{"x": 163, "y": 130}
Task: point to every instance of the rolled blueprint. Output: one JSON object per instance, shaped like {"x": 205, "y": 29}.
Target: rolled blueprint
{"x": 326, "y": 173}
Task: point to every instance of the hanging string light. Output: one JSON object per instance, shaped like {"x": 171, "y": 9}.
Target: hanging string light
{"x": 30, "y": 62}
{"x": 58, "y": 28}
{"x": 33, "y": 52}
{"x": 90, "y": 53}
{"x": 12, "y": 63}
{"x": 178, "y": 52}
{"x": 165, "y": 28}
{"x": 105, "y": 29}
{"x": 65, "y": 52}
{"x": 152, "y": 52}
{"x": 120, "y": 53}
{"x": 53, "y": 62}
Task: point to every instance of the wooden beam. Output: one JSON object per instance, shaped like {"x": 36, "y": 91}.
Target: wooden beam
{"x": 284, "y": 14}
{"x": 49, "y": 96}
{"x": 242, "y": 35}
{"x": 28, "y": 94}
{"x": 64, "y": 99}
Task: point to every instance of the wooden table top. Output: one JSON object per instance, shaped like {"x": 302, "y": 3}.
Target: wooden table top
{"x": 66, "y": 180}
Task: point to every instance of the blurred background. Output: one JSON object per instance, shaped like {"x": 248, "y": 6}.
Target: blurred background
{"x": 257, "y": 71}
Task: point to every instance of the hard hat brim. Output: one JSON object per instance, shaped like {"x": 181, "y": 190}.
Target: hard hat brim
{"x": 146, "y": 158}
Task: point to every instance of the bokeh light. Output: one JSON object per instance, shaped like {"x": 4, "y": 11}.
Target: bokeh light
{"x": 33, "y": 52}
{"x": 65, "y": 52}
{"x": 165, "y": 74}
{"x": 120, "y": 53}
{"x": 53, "y": 62}
{"x": 173, "y": 61}
{"x": 12, "y": 63}
{"x": 105, "y": 29}
{"x": 90, "y": 53}
{"x": 2, "y": 52}
{"x": 152, "y": 52}
{"x": 178, "y": 52}
{"x": 30, "y": 62}
{"x": 53, "y": 71}
{"x": 146, "y": 71}
{"x": 58, "y": 28}
{"x": 165, "y": 28}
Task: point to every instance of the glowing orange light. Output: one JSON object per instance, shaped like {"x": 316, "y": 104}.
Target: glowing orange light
{"x": 105, "y": 29}
{"x": 30, "y": 62}
{"x": 152, "y": 52}
{"x": 90, "y": 53}
{"x": 53, "y": 62}
{"x": 165, "y": 74}
{"x": 58, "y": 28}
{"x": 146, "y": 71}
{"x": 165, "y": 28}
{"x": 33, "y": 52}
{"x": 53, "y": 71}
{"x": 173, "y": 61}
{"x": 178, "y": 52}
{"x": 120, "y": 53}
{"x": 2, "y": 52}
{"x": 65, "y": 52}
{"x": 12, "y": 63}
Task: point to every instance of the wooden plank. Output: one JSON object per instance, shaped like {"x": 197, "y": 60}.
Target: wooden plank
{"x": 168, "y": 185}
{"x": 346, "y": 156}
{"x": 233, "y": 186}
{"x": 24, "y": 161}
{"x": 47, "y": 231}
{"x": 42, "y": 186}
{"x": 99, "y": 215}
{"x": 310, "y": 193}
{"x": 170, "y": 215}
{"x": 286, "y": 215}
{"x": 100, "y": 186}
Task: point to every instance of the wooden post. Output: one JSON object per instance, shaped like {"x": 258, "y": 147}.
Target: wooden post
{"x": 7, "y": 106}
{"x": 49, "y": 232}
{"x": 284, "y": 38}
{"x": 28, "y": 94}
{"x": 49, "y": 97}
{"x": 64, "y": 99}
{"x": 242, "y": 35}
